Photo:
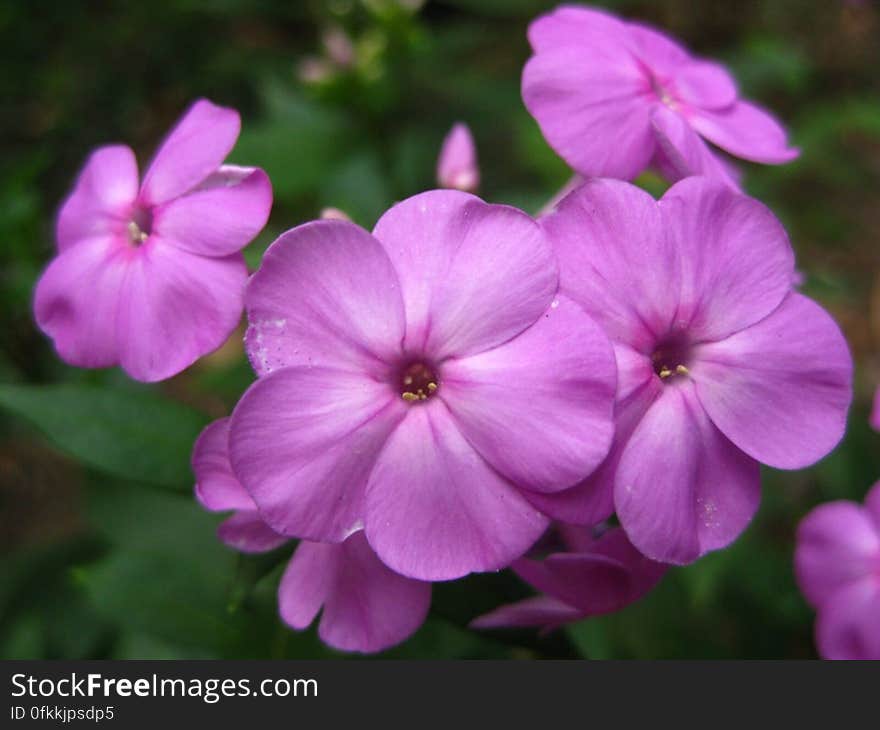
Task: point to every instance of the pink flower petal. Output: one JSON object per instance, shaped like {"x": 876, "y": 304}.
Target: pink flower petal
{"x": 588, "y": 92}
{"x": 326, "y": 294}
{"x": 594, "y": 112}
{"x": 77, "y": 300}
{"x": 594, "y": 584}
{"x": 103, "y": 194}
{"x": 745, "y": 130}
{"x": 586, "y": 503}
{"x": 246, "y": 532}
{"x": 780, "y": 390}
{"x": 705, "y": 84}
{"x": 307, "y": 582}
{"x": 367, "y": 607}
{"x": 736, "y": 260}
{"x": 592, "y": 500}
{"x": 176, "y": 307}
{"x": 682, "y": 153}
{"x": 436, "y": 510}
{"x": 604, "y": 577}
{"x": 303, "y": 442}
{"x": 615, "y": 260}
{"x": 472, "y": 275}
{"x": 682, "y": 489}
{"x": 218, "y": 219}
{"x": 194, "y": 149}
{"x": 662, "y": 55}
{"x": 539, "y": 408}
{"x": 576, "y": 26}
{"x": 837, "y": 544}
{"x": 217, "y": 488}
{"x": 541, "y": 611}
{"x": 457, "y": 164}
{"x": 848, "y": 625}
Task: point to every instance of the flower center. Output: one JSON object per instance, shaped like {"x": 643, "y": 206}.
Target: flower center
{"x": 140, "y": 226}
{"x": 671, "y": 358}
{"x": 662, "y": 93}
{"x": 418, "y": 382}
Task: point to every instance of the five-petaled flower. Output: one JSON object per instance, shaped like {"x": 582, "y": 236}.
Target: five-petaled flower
{"x": 613, "y": 97}
{"x": 837, "y": 564}
{"x": 150, "y": 276}
{"x": 720, "y": 364}
{"x": 423, "y": 383}
{"x": 366, "y": 606}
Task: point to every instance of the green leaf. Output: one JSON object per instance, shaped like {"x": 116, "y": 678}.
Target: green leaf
{"x": 168, "y": 579}
{"x": 130, "y": 434}
{"x": 359, "y": 188}
{"x": 295, "y": 143}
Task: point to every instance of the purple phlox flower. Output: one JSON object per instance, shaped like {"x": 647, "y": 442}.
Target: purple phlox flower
{"x": 457, "y": 166}
{"x": 721, "y": 365}
{"x": 366, "y": 606}
{"x": 150, "y": 276}
{"x": 837, "y": 565}
{"x": 598, "y": 572}
{"x": 423, "y": 383}
{"x": 875, "y": 411}
{"x": 612, "y": 97}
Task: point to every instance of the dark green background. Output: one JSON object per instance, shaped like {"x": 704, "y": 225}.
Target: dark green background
{"x": 105, "y": 554}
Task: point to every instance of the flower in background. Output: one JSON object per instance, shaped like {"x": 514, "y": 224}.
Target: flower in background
{"x": 151, "y": 276}
{"x": 721, "y": 365}
{"x": 420, "y": 383}
{"x": 457, "y": 165}
{"x": 837, "y": 565}
{"x": 334, "y": 214}
{"x": 594, "y": 574}
{"x": 613, "y": 97}
{"x": 366, "y": 606}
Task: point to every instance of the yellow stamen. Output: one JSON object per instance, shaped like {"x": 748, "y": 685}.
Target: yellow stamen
{"x": 682, "y": 370}
{"x": 135, "y": 233}
{"x": 665, "y": 372}
{"x": 409, "y": 397}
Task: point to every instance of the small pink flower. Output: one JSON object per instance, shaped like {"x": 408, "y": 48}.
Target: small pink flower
{"x": 150, "y": 276}
{"x": 613, "y": 97}
{"x": 457, "y": 165}
{"x": 594, "y": 575}
{"x": 423, "y": 383}
{"x": 721, "y": 365}
{"x": 366, "y": 606}
{"x": 837, "y": 564}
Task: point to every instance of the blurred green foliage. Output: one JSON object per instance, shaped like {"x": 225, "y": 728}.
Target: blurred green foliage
{"x": 104, "y": 551}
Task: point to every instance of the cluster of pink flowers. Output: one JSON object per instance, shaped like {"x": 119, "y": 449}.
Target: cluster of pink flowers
{"x": 467, "y": 388}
